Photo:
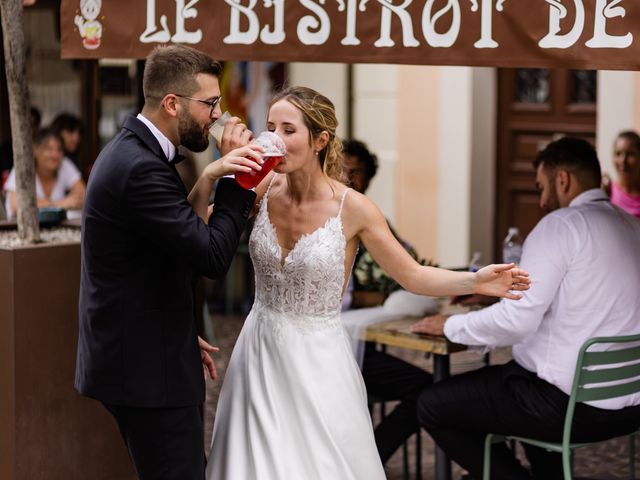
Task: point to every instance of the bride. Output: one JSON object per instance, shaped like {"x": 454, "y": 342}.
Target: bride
{"x": 293, "y": 404}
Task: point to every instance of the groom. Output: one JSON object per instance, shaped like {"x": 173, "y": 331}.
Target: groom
{"x": 142, "y": 248}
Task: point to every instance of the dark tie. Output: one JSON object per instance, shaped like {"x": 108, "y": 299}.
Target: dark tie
{"x": 177, "y": 158}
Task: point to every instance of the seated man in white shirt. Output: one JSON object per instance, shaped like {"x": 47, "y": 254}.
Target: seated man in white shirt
{"x": 585, "y": 277}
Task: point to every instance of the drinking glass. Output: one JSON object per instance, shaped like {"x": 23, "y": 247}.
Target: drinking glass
{"x": 217, "y": 127}
{"x": 274, "y": 153}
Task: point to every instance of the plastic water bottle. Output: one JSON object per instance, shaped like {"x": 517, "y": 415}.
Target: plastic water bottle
{"x": 512, "y": 247}
{"x": 474, "y": 265}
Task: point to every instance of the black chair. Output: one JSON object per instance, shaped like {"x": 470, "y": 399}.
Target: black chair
{"x": 382, "y": 407}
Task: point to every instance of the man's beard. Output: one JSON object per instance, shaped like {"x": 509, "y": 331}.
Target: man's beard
{"x": 191, "y": 134}
{"x": 552, "y": 201}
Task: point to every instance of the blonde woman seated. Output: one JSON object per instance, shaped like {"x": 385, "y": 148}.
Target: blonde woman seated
{"x": 58, "y": 181}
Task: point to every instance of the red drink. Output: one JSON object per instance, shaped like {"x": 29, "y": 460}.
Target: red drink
{"x": 274, "y": 151}
{"x": 254, "y": 177}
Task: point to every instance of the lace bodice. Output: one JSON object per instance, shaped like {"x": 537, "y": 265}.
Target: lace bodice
{"x": 308, "y": 282}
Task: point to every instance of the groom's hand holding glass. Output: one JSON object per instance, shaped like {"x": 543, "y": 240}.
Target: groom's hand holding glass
{"x": 232, "y": 138}
{"x": 229, "y": 133}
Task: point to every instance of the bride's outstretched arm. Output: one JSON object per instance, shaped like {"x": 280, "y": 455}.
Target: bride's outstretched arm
{"x": 233, "y": 162}
{"x": 372, "y": 229}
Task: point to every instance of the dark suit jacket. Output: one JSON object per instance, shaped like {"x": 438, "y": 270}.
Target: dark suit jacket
{"x": 142, "y": 249}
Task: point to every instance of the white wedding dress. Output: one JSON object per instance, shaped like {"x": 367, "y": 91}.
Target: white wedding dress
{"x": 293, "y": 404}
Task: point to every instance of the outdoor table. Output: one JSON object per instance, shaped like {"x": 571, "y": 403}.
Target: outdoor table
{"x": 396, "y": 333}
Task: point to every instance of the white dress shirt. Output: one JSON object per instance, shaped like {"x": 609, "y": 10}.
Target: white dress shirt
{"x": 168, "y": 148}
{"x": 584, "y": 263}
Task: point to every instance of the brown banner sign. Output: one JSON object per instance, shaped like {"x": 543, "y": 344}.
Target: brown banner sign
{"x": 603, "y": 34}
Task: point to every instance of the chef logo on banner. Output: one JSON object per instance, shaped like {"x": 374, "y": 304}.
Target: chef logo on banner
{"x": 89, "y": 27}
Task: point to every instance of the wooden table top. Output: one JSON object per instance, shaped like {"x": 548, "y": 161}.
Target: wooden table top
{"x": 396, "y": 333}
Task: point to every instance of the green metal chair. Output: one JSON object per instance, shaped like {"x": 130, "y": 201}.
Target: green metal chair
{"x": 588, "y": 385}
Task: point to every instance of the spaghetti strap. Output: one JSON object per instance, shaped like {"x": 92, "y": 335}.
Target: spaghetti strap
{"x": 266, "y": 194}
{"x": 344, "y": 195}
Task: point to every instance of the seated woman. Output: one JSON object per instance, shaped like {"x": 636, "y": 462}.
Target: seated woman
{"x": 58, "y": 181}
{"x": 625, "y": 192}
{"x": 69, "y": 128}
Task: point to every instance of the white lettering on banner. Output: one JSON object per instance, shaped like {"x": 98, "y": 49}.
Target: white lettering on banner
{"x": 314, "y": 27}
{"x": 601, "y": 39}
{"x": 186, "y": 11}
{"x": 250, "y": 35}
{"x": 408, "y": 40}
{"x": 350, "y": 38}
{"x": 151, "y": 33}
{"x": 277, "y": 35}
{"x": 486, "y": 19}
{"x": 556, "y": 13}
{"x": 434, "y": 38}
{"x": 308, "y": 23}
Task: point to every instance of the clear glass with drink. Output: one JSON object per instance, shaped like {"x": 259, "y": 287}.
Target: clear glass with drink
{"x": 275, "y": 150}
{"x": 217, "y": 127}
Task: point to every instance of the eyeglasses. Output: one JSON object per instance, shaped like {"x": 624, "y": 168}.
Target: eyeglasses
{"x": 210, "y": 103}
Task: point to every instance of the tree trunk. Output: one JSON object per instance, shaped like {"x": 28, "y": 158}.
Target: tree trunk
{"x": 3, "y": 211}
{"x": 15, "y": 65}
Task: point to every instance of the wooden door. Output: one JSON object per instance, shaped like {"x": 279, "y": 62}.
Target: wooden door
{"x": 535, "y": 106}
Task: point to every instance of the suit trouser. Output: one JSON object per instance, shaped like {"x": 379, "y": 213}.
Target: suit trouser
{"x": 163, "y": 443}
{"x": 390, "y": 378}
{"x": 510, "y": 400}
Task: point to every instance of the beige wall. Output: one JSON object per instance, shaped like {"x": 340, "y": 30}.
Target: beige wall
{"x": 484, "y": 98}
{"x": 417, "y": 172}
{"x": 330, "y": 79}
{"x": 375, "y": 122}
{"x": 445, "y": 199}
{"x": 454, "y": 162}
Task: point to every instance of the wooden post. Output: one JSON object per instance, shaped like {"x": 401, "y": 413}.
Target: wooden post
{"x": 15, "y": 66}
{"x": 91, "y": 99}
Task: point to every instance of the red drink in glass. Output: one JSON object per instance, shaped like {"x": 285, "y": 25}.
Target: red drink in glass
{"x": 253, "y": 178}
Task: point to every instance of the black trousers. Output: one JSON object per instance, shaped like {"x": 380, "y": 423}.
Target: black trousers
{"x": 163, "y": 443}
{"x": 389, "y": 378}
{"x": 510, "y": 400}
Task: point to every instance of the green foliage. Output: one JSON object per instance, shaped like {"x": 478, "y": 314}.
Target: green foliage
{"x": 370, "y": 277}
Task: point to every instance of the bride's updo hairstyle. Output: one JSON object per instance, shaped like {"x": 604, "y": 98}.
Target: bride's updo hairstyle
{"x": 319, "y": 115}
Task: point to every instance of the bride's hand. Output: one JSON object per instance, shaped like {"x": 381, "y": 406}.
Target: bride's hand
{"x": 500, "y": 280}
{"x": 240, "y": 160}
{"x": 207, "y": 362}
